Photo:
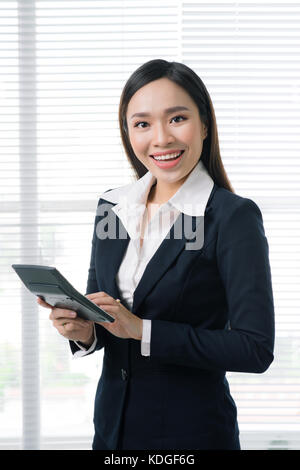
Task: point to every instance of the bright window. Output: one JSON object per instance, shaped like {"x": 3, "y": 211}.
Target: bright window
{"x": 63, "y": 65}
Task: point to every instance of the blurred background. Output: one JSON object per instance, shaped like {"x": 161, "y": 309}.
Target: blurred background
{"x": 63, "y": 65}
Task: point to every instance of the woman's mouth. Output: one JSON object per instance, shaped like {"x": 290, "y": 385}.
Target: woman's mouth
{"x": 167, "y": 161}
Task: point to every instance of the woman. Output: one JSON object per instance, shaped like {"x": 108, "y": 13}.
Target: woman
{"x": 181, "y": 263}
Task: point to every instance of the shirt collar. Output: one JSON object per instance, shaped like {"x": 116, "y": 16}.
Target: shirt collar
{"x": 191, "y": 198}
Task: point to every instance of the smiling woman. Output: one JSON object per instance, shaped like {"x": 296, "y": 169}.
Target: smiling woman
{"x": 187, "y": 109}
{"x": 185, "y": 313}
{"x": 169, "y": 145}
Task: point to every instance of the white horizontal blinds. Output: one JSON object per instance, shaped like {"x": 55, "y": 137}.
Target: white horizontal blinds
{"x": 247, "y": 54}
{"x": 28, "y": 184}
{"x": 10, "y": 233}
{"x": 85, "y": 53}
{"x": 63, "y": 65}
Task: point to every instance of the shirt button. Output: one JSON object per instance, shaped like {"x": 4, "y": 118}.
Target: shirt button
{"x": 124, "y": 374}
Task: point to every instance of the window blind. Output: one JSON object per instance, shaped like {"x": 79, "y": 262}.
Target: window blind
{"x": 247, "y": 53}
{"x": 63, "y": 65}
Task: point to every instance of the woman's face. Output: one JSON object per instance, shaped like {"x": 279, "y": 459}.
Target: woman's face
{"x": 154, "y": 129}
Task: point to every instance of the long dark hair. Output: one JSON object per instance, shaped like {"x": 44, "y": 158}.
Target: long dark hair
{"x": 185, "y": 77}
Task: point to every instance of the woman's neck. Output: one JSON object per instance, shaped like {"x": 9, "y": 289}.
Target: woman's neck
{"x": 160, "y": 193}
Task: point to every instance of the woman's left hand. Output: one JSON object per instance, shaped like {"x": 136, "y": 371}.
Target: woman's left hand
{"x": 126, "y": 324}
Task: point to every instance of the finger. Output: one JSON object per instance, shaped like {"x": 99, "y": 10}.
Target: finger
{"x": 43, "y": 303}
{"x": 94, "y": 295}
{"x": 61, "y": 330}
{"x": 108, "y": 301}
{"x": 103, "y": 303}
{"x": 111, "y": 302}
{"x": 115, "y": 309}
{"x": 77, "y": 323}
{"x": 62, "y": 313}
{"x": 68, "y": 326}
{"x": 61, "y": 323}
{"x": 65, "y": 329}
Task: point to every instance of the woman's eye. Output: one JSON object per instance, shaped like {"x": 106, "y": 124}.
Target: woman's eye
{"x": 138, "y": 124}
{"x": 177, "y": 117}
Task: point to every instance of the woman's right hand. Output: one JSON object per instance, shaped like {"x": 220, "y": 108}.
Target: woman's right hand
{"x": 69, "y": 325}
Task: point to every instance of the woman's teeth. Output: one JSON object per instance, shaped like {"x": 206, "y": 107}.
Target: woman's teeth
{"x": 168, "y": 157}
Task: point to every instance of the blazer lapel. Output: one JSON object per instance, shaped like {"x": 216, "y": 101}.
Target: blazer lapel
{"x": 112, "y": 251}
{"x": 181, "y": 235}
{"x": 179, "y": 238}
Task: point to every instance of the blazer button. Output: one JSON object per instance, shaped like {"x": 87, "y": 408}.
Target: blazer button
{"x": 124, "y": 374}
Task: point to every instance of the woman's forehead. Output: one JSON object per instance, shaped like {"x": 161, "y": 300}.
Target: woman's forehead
{"x": 161, "y": 94}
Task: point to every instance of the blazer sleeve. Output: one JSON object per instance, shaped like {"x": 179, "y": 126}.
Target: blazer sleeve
{"x": 92, "y": 286}
{"x": 243, "y": 261}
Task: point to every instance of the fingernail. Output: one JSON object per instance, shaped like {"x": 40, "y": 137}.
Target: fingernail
{"x": 73, "y": 314}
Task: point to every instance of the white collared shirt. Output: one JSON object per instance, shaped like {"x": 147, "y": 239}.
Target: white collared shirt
{"x": 191, "y": 199}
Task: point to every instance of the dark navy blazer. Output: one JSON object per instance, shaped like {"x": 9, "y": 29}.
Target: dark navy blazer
{"x": 212, "y": 311}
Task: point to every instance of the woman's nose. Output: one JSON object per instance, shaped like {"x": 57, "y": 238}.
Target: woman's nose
{"x": 162, "y": 135}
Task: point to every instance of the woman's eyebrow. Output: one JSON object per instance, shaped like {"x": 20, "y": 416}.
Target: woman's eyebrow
{"x": 174, "y": 109}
